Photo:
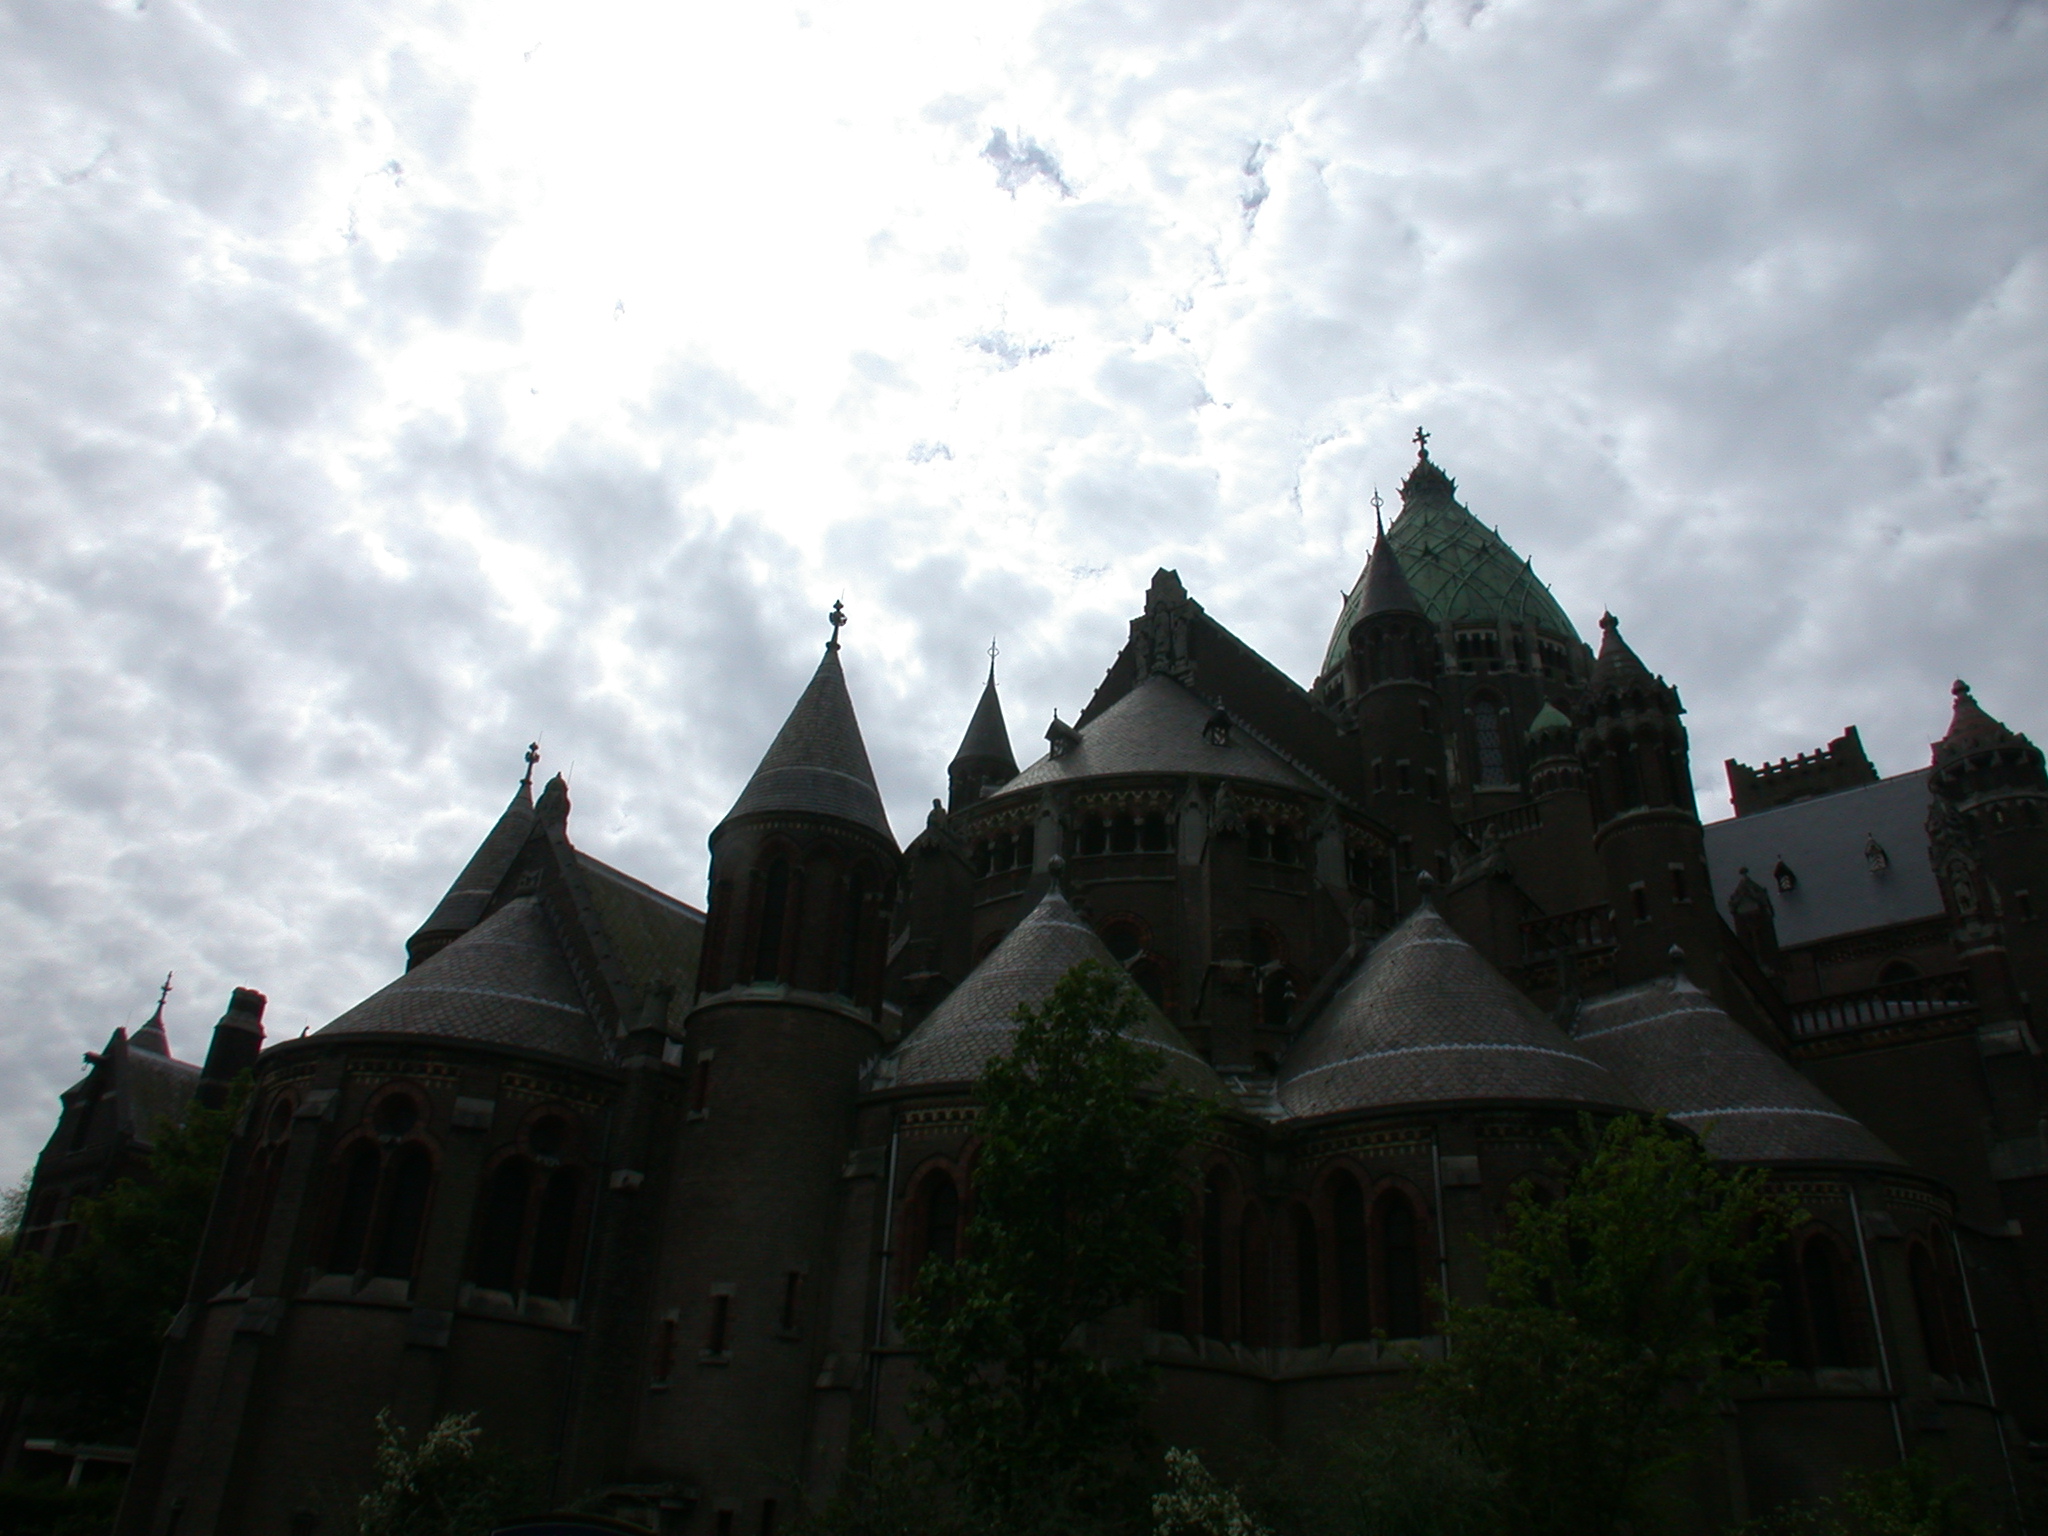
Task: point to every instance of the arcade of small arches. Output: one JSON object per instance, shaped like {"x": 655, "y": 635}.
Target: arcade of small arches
{"x": 805, "y": 920}
{"x": 1353, "y": 1259}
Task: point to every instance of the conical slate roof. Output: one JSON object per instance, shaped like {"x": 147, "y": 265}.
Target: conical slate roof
{"x": 1680, "y": 1053}
{"x": 478, "y": 883}
{"x": 1160, "y": 727}
{"x": 1425, "y": 1020}
{"x": 1386, "y": 586}
{"x": 988, "y": 738}
{"x": 978, "y": 1018}
{"x": 1618, "y": 668}
{"x": 152, "y": 1036}
{"x": 1460, "y": 570}
{"x": 505, "y": 982}
{"x": 1970, "y": 729}
{"x": 818, "y": 764}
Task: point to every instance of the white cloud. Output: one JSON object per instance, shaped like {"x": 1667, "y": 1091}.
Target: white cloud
{"x": 380, "y": 389}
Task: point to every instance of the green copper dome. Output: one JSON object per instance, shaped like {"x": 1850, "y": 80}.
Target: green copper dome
{"x": 1463, "y": 571}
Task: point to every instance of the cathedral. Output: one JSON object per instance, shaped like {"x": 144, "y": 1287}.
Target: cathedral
{"x": 642, "y": 1185}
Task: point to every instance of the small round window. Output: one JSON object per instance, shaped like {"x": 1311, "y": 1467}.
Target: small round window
{"x": 396, "y": 1116}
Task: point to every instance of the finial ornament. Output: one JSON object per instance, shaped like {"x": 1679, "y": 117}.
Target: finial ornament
{"x": 164, "y": 991}
{"x": 532, "y": 757}
{"x": 1377, "y": 522}
{"x": 1960, "y": 689}
{"x": 994, "y": 651}
{"x": 1422, "y": 442}
{"x": 838, "y": 620}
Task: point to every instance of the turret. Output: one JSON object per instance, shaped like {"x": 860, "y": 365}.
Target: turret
{"x": 237, "y": 1040}
{"x": 462, "y": 908}
{"x": 1646, "y": 834}
{"x": 1390, "y": 677}
{"x": 984, "y": 759}
{"x": 1988, "y": 836}
{"x": 789, "y": 1006}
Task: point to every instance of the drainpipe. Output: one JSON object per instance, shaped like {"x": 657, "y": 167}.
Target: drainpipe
{"x": 1884, "y": 1354}
{"x": 882, "y": 1286}
{"x": 1443, "y": 1255}
{"x": 1984, "y": 1370}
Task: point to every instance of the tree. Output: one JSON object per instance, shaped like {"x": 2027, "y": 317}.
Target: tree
{"x": 1618, "y": 1317}
{"x": 1196, "y": 1504}
{"x": 447, "y": 1483}
{"x": 81, "y": 1334}
{"x": 1080, "y": 1176}
{"x": 1915, "y": 1499}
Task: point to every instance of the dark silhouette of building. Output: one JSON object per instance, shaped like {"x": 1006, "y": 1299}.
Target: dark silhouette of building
{"x": 641, "y": 1186}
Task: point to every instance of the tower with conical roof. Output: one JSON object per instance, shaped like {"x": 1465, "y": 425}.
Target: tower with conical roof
{"x": 789, "y": 1004}
{"x": 984, "y": 760}
{"x": 1390, "y": 672}
{"x": 1646, "y": 825}
{"x": 467, "y": 899}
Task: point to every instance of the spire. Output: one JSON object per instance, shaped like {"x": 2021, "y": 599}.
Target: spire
{"x": 1386, "y": 588}
{"x": 984, "y": 756}
{"x": 1426, "y": 482}
{"x": 152, "y": 1037}
{"x": 1970, "y": 729}
{"x": 237, "y": 1039}
{"x": 1618, "y": 667}
{"x": 818, "y": 764}
{"x": 463, "y": 905}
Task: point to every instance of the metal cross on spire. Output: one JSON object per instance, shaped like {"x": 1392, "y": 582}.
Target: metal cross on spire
{"x": 532, "y": 757}
{"x": 1377, "y": 522}
{"x": 993, "y": 652}
{"x": 1422, "y": 441}
{"x": 838, "y": 618}
{"x": 164, "y": 991}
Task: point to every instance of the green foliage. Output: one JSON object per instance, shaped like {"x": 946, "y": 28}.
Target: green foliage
{"x": 45, "y": 1507}
{"x": 887, "y": 1490}
{"x": 1617, "y": 1317}
{"x": 13, "y": 1207}
{"x": 1916, "y": 1499}
{"x": 1081, "y": 1172}
{"x": 82, "y": 1333}
{"x": 1403, "y": 1469}
{"x": 1194, "y": 1503}
{"x": 447, "y": 1483}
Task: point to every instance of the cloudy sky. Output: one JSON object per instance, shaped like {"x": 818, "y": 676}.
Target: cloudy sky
{"x": 384, "y": 385}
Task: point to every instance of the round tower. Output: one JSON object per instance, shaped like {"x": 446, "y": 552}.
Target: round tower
{"x": 1390, "y": 677}
{"x": 789, "y": 1005}
{"x": 1646, "y": 834}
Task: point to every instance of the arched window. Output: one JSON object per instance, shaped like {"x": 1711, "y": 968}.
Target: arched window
{"x": 1493, "y": 762}
{"x": 941, "y": 1218}
{"x": 1156, "y": 833}
{"x": 774, "y": 906}
{"x": 1276, "y": 1000}
{"x": 407, "y": 1184}
{"x": 259, "y": 1190}
{"x": 1213, "y": 1195}
{"x": 1928, "y": 1302}
{"x": 856, "y": 920}
{"x": 1258, "y": 842}
{"x": 527, "y": 1222}
{"x": 1354, "y": 1295}
{"x": 1094, "y": 836}
{"x": 1123, "y": 834}
{"x": 1151, "y": 979}
{"x": 547, "y": 1271}
{"x": 1400, "y": 1268}
{"x": 1308, "y": 1280}
{"x": 1170, "y": 1306}
{"x": 1251, "y": 1276}
{"x": 496, "y": 1264}
{"x": 1283, "y": 844}
{"x": 1628, "y": 779}
{"x": 358, "y": 1203}
{"x": 1827, "y": 1308}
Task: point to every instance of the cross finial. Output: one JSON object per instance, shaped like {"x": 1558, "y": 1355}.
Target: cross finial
{"x": 164, "y": 991}
{"x": 838, "y": 618}
{"x": 994, "y": 651}
{"x": 1422, "y": 441}
{"x": 532, "y": 757}
{"x": 1377, "y": 522}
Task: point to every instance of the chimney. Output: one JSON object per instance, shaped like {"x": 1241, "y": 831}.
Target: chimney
{"x": 236, "y": 1040}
